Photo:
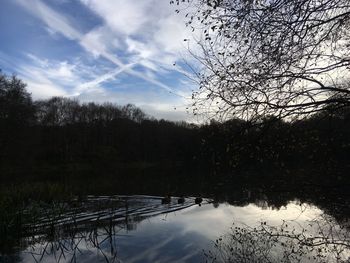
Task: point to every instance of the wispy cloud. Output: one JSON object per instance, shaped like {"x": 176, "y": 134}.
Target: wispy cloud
{"x": 59, "y": 23}
{"x": 54, "y": 20}
{"x": 123, "y": 16}
{"x": 49, "y": 78}
{"x": 39, "y": 84}
{"x": 126, "y": 56}
{"x": 148, "y": 32}
{"x": 34, "y": 75}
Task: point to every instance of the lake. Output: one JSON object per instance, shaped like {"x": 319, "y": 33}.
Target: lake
{"x": 140, "y": 228}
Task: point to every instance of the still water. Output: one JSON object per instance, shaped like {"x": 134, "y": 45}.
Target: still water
{"x": 144, "y": 229}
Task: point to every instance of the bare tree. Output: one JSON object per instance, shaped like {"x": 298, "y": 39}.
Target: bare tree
{"x": 271, "y": 57}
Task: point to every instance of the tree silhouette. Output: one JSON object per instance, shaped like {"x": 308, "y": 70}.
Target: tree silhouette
{"x": 16, "y": 113}
{"x": 16, "y": 107}
{"x": 271, "y": 57}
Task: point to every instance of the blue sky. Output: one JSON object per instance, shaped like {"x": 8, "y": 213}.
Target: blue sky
{"x": 121, "y": 51}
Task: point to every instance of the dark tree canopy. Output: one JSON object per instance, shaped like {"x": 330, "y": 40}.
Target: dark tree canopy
{"x": 271, "y": 57}
{"x": 16, "y": 107}
{"x": 109, "y": 147}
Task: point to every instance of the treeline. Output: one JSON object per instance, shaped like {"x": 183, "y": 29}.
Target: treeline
{"x": 61, "y": 140}
{"x": 312, "y": 151}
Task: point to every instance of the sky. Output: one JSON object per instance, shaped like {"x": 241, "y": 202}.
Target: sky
{"x": 119, "y": 51}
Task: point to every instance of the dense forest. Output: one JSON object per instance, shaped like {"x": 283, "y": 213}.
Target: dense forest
{"x": 88, "y": 147}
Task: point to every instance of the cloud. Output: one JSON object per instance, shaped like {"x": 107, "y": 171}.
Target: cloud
{"x": 135, "y": 38}
{"x": 60, "y": 24}
{"x": 44, "y": 88}
{"x": 124, "y": 16}
{"x": 171, "y": 32}
{"x": 39, "y": 84}
{"x": 150, "y": 33}
{"x": 167, "y": 111}
{"x": 48, "y": 78}
{"x": 34, "y": 74}
{"x": 153, "y": 102}
{"x": 55, "y": 21}
{"x": 94, "y": 41}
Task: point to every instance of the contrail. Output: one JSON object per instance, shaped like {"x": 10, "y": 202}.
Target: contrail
{"x": 59, "y": 23}
{"x": 103, "y": 78}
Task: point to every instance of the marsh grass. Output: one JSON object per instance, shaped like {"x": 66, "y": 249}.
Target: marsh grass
{"x": 21, "y": 205}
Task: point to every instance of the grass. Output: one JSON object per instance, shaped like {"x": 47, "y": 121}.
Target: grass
{"x": 19, "y": 205}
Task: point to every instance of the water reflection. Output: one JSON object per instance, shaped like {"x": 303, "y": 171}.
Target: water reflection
{"x": 320, "y": 240}
{"x": 142, "y": 229}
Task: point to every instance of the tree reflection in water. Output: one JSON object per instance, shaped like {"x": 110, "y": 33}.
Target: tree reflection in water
{"x": 99, "y": 243}
{"x": 113, "y": 229}
{"x": 321, "y": 240}
{"x": 89, "y": 231}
